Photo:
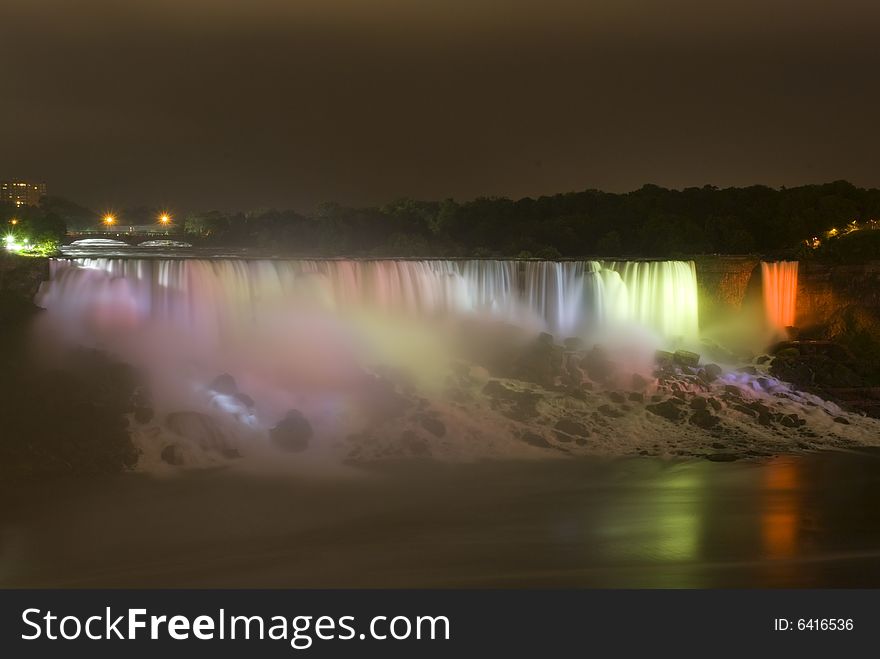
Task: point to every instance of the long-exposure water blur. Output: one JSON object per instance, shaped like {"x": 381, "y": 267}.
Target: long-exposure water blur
{"x": 445, "y": 423}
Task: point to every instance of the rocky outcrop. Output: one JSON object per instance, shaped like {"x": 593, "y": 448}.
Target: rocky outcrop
{"x": 203, "y": 431}
{"x": 292, "y": 433}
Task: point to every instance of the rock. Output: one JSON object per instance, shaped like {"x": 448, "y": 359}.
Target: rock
{"x": 224, "y": 384}
{"x": 722, "y": 457}
{"x": 535, "y": 439}
{"x": 494, "y": 389}
{"x": 540, "y": 361}
{"x": 758, "y": 407}
{"x": 748, "y": 370}
{"x": 608, "y": 410}
{"x": 792, "y": 421}
{"x": 245, "y": 400}
{"x": 173, "y": 455}
{"x": 668, "y": 410}
{"x": 293, "y": 432}
{"x": 459, "y": 368}
{"x": 143, "y": 414}
{"x": 434, "y": 426}
{"x": 616, "y": 396}
{"x": 714, "y": 403}
{"x": 704, "y": 419}
{"x": 202, "y": 430}
{"x": 709, "y": 373}
{"x": 663, "y": 358}
{"x": 414, "y": 444}
{"x": 842, "y": 420}
{"x": 573, "y": 343}
{"x": 745, "y": 409}
{"x": 597, "y": 365}
{"x": 788, "y": 353}
{"x": 763, "y": 359}
{"x": 640, "y": 382}
{"x": 479, "y": 374}
{"x": 567, "y": 428}
{"x": 686, "y": 358}
{"x": 636, "y": 396}
{"x": 699, "y": 403}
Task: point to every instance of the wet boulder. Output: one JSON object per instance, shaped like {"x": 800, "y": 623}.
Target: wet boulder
{"x": 202, "y": 430}
{"x": 540, "y": 361}
{"x": 534, "y": 439}
{"x": 686, "y": 358}
{"x": 663, "y": 358}
{"x": 566, "y": 429}
{"x": 792, "y": 421}
{"x": 597, "y": 365}
{"x": 709, "y": 373}
{"x": 433, "y": 425}
{"x": 573, "y": 343}
{"x": 224, "y": 384}
{"x": 668, "y": 410}
{"x": 293, "y": 432}
{"x": 172, "y": 454}
{"x": 143, "y": 414}
{"x": 704, "y": 419}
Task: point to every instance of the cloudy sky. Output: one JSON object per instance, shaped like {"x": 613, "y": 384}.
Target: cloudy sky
{"x": 286, "y": 103}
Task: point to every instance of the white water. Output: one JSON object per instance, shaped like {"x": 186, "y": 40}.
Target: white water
{"x": 345, "y": 342}
{"x": 569, "y": 298}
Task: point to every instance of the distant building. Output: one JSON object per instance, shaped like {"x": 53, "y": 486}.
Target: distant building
{"x": 22, "y": 193}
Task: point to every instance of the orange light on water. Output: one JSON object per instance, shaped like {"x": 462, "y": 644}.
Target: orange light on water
{"x": 780, "y": 280}
{"x": 780, "y": 518}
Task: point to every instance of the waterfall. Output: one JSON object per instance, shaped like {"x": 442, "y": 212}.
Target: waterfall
{"x": 210, "y": 296}
{"x": 779, "y": 280}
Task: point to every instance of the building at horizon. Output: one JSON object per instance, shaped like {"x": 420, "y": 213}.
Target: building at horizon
{"x": 22, "y": 193}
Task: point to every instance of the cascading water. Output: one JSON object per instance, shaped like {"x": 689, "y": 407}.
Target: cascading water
{"x": 209, "y": 296}
{"x": 390, "y": 358}
{"x": 780, "y": 280}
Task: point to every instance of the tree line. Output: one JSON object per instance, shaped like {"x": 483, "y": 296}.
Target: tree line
{"x": 649, "y": 222}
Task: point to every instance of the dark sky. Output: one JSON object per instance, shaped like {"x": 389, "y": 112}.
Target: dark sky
{"x": 286, "y": 103}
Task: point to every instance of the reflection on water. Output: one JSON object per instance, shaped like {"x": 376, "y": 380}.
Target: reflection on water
{"x": 802, "y": 521}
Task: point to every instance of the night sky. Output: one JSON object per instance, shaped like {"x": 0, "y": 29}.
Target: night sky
{"x": 285, "y": 103}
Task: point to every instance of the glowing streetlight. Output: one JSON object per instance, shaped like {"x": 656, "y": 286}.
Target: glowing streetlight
{"x": 109, "y": 220}
{"x": 13, "y": 221}
{"x": 165, "y": 218}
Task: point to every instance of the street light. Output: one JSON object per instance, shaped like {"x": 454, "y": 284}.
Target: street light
{"x": 109, "y": 220}
{"x": 13, "y": 221}
{"x": 165, "y": 218}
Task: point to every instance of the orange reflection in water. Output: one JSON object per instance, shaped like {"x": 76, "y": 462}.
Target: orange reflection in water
{"x": 781, "y": 514}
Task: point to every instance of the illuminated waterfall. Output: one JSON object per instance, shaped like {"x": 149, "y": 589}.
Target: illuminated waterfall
{"x": 208, "y": 295}
{"x": 779, "y": 280}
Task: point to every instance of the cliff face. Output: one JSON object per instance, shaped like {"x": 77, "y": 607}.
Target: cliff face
{"x": 728, "y": 284}
{"x": 824, "y": 290}
{"x": 21, "y": 276}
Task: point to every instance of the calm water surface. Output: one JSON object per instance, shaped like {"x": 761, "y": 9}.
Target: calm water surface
{"x": 793, "y": 521}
